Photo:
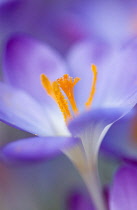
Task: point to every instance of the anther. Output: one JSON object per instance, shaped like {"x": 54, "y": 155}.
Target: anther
{"x": 47, "y": 84}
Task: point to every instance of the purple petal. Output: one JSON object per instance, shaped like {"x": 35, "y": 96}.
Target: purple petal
{"x": 80, "y": 58}
{"x": 91, "y": 127}
{"x": 119, "y": 140}
{"x": 25, "y": 59}
{"x": 111, "y": 20}
{"x": 116, "y": 83}
{"x": 44, "y": 20}
{"x": 95, "y": 116}
{"x": 22, "y": 111}
{"x": 123, "y": 193}
{"x": 117, "y": 80}
{"x": 37, "y": 148}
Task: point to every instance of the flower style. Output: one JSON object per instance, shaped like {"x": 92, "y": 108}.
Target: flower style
{"x": 46, "y": 112}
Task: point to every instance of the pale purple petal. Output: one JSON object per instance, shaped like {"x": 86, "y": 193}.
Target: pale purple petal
{"x": 80, "y": 58}
{"x": 116, "y": 83}
{"x": 25, "y": 59}
{"x": 95, "y": 116}
{"x": 123, "y": 193}
{"x": 20, "y": 110}
{"x": 119, "y": 141}
{"x": 92, "y": 126}
{"x": 110, "y": 20}
{"x": 36, "y": 148}
{"x": 45, "y": 20}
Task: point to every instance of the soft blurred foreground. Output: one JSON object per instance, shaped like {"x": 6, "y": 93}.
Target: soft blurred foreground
{"x": 43, "y": 185}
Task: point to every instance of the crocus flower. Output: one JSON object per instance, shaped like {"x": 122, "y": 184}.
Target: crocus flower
{"x": 122, "y": 193}
{"x": 51, "y": 108}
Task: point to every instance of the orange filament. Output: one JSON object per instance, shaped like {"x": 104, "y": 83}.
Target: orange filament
{"x": 93, "y": 87}
{"x": 67, "y": 84}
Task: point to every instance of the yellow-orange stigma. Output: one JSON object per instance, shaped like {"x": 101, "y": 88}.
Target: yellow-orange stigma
{"x": 66, "y": 84}
{"x": 93, "y": 87}
{"x": 53, "y": 89}
{"x": 62, "y": 102}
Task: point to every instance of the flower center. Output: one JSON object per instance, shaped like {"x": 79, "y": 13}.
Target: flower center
{"x": 65, "y": 86}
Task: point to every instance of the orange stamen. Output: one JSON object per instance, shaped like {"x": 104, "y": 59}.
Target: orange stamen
{"x": 93, "y": 87}
{"x": 62, "y": 102}
{"x": 53, "y": 90}
{"x": 67, "y": 84}
{"x": 47, "y": 84}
